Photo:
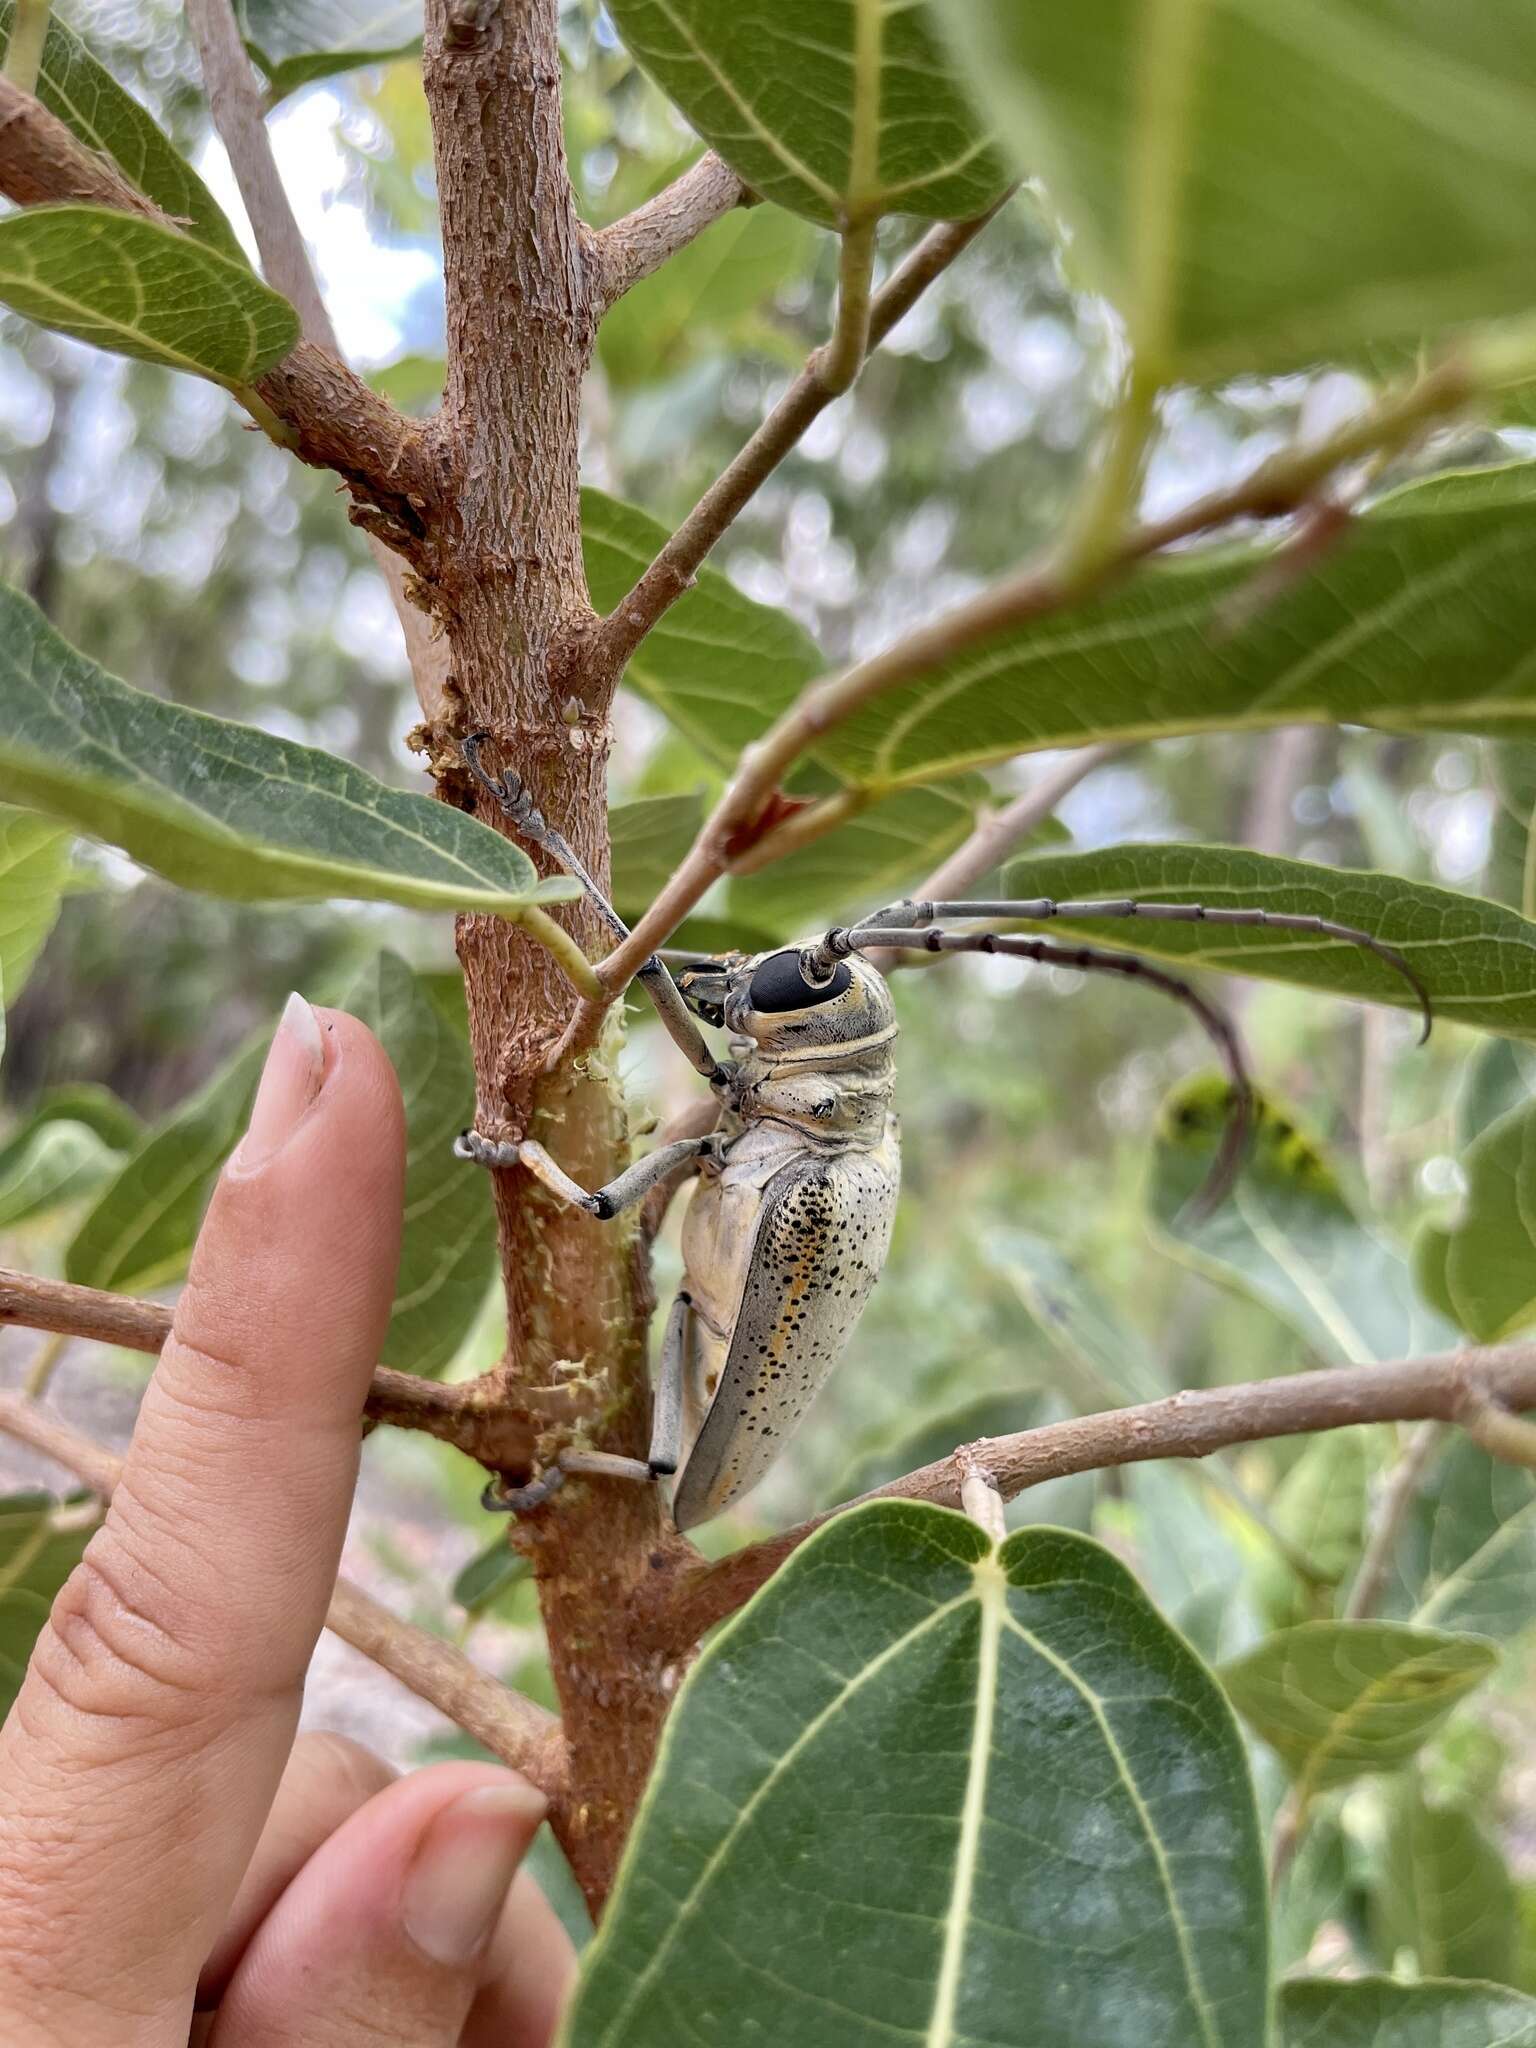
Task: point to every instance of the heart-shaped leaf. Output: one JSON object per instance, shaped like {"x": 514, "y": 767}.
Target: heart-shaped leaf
{"x": 227, "y": 809}
{"x": 1339, "y": 1699}
{"x": 298, "y": 41}
{"x": 1374, "y": 2012}
{"x": 1284, "y": 1235}
{"x": 939, "y": 1776}
{"x": 1476, "y": 960}
{"x": 142, "y": 290}
{"x": 840, "y": 113}
{"x": 1258, "y": 186}
{"x": 1370, "y": 638}
{"x": 93, "y": 106}
{"x": 41, "y": 1541}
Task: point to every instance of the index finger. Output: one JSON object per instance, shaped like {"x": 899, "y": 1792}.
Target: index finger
{"x": 148, "y": 1738}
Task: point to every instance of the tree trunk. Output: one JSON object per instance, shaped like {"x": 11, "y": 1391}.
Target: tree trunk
{"x": 512, "y": 595}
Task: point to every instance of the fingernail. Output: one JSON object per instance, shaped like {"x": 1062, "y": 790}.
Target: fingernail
{"x": 290, "y": 1081}
{"x": 457, "y": 1885}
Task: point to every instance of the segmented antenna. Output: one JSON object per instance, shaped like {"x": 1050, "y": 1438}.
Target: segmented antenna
{"x": 875, "y": 930}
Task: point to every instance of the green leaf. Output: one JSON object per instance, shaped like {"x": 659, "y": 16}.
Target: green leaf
{"x": 648, "y": 838}
{"x": 1446, "y": 1894}
{"x": 298, "y": 41}
{"x": 41, "y": 1542}
{"x": 711, "y": 297}
{"x": 94, "y": 107}
{"x": 720, "y": 667}
{"x": 448, "y": 1250}
{"x": 139, "y": 1232}
{"x": 1319, "y": 1507}
{"x": 1476, "y": 959}
{"x": 839, "y": 113}
{"x": 142, "y": 290}
{"x": 62, "y": 1161}
{"x": 1373, "y": 2012}
{"x": 226, "y": 809}
{"x": 1475, "y": 1527}
{"x": 496, "y": 1570}
{"x": 1284, "y": 1236}
{"x": 934, "y": 1778}
{"x": 1377, "y": 634}
{"x": 1260, "y": 186}
{"x": 1480, "y": 1269}
{"x": 1339, "y": 1699}
{"x": 1500, "y": 1076}
{"x": 864, "y": 864}
{"x": 1512, "y": 852}
{"x": 1106, "y": 1363}
{"x": 34, "y": 866}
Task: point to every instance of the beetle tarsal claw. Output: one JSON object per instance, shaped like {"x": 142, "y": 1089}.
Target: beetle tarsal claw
{"x": 483, "y": 1151}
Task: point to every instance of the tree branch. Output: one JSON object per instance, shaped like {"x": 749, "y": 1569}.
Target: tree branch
{"x": 337, "y": 421}
{"x": 234, "y": 100}
{"x": 672, "y": 572}
{"x": 1444, "y": 1388}
{"x": 473, "y": 1418}
{"x": 511, "y": 1727}
{"x": 637, "y": 245}
{"x": 1041, "y": 587}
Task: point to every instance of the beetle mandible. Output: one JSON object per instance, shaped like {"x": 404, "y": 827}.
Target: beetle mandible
{"x": 789, "y": 1227}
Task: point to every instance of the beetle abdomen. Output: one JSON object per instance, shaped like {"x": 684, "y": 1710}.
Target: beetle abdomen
{"x": 797, "y": 1282}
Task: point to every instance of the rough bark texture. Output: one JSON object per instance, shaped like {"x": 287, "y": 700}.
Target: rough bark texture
{"x": 521, "y": 315}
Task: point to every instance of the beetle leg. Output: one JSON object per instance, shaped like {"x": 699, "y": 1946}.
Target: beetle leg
{"x": 631, "y": 1186}
{"x": 499, "y": 1499}
{"x": 512, "y": 795}
{"x": 667, "y": 1410}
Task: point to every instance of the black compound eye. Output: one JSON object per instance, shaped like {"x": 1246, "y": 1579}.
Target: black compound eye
{"x": 779, "y": 985}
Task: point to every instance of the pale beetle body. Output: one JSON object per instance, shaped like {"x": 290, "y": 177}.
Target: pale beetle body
{"x": 788, "y": 1228}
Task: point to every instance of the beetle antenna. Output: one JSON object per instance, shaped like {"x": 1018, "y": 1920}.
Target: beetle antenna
{"x": 1217, "y": 1026}
{"x": 1040, "y": 909}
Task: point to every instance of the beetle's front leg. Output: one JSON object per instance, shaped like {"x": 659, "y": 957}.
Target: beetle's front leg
{"x": 630, "y": 1187}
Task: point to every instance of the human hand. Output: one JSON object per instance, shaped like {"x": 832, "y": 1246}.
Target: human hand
{"x": 173, "y": 1866}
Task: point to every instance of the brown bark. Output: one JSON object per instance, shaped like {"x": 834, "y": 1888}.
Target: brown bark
{"x": 522, "y": 301}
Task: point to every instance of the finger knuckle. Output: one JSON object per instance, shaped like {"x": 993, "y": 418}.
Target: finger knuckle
{"x": 111, "y": 1650}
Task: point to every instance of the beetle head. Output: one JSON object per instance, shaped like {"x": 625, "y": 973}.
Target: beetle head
{"x": 772, "y": 1000}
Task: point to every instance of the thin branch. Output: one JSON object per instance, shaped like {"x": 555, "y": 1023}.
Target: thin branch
{"x": 333, "y": 420}
{"x": 511, "y": 1727}
{"x": 1403, "y": 1483}
{"x": 474, "y": 1419}
{"x": 643, "y": 240}
{"x": 1036, "y": 590}
{"x": 672, "y": 572}
{"x": 1442, "y": 1388}
{"x": 235, "y": 101}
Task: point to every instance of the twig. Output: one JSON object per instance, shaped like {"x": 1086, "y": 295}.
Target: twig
{"x": 1397, "y": 1497}
{"x": 672, "y": 572}
{"x": 1443, "y": 1388}
{"x": 1036, "y": 590}
{"x": 234, "y": 99}
{"x": 45, "y": 1364}
{"x": 643, "y": 240}
{"x": 1285, "y": 1836}
{"x": 511, "y": 1727}
{"x": 475, "y": 1419}
{"x": 1485, "y": 1413}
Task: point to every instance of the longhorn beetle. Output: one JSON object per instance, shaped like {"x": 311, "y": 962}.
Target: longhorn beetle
{"x": 789, "y": 1227}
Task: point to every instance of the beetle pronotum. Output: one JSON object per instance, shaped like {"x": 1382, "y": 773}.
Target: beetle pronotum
{"x": 789, "y": 1226}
